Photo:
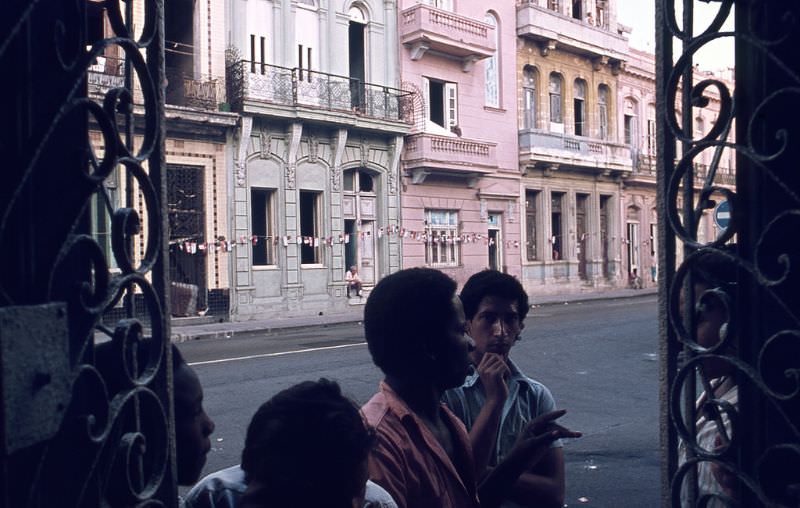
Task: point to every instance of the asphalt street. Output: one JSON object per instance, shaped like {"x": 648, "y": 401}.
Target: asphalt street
{"x": 598, "y": 358}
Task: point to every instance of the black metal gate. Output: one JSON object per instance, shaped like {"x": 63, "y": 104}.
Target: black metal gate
{"x": 70, "y": 435}
{"x": 187, "y": 225}
{"x": 740, "y": 444}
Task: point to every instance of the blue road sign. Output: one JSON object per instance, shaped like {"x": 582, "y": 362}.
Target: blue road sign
{"x": 722, "y": 214}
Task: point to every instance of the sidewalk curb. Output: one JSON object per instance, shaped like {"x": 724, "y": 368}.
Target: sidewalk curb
{"x": 592, "y": 297}
{"x": 231, "y": 332}
{"x": 241, "y": 330}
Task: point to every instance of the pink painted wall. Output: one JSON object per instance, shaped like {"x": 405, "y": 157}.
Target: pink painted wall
{"x": 477, "y": 122}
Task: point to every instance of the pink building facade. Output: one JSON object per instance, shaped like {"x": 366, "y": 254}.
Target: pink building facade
{"x": 461, "y": 179}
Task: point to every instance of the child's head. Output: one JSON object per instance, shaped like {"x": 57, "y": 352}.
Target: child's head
{"x": 307, "y": 447}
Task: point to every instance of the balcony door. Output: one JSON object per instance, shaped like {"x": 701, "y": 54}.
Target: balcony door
{"x": 178, "y": 47}
{"x": 580, "y": 229}
{"x": 604, "y": 223}
{"x": 495, "y": 234}
{"x": 357, "y": 56}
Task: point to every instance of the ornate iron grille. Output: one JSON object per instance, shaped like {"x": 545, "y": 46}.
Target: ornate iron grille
{"x": 82, "y": 424}
{"x": 739, "y": 443}
{"x": 186, "y": 207}
{"x": 262, "y": 82}
{"x": 184, "y": 90}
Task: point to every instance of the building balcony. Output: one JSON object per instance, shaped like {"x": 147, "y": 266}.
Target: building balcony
{"x": 644, "y": 171}
{"x": 644, "y": 168}
{"x": 550, "y": 151}
{"x": 271, "y": 90}
{"x": 106, "y": 73}
{"x": 427, "y": 154}
{"x": 553, "y": 30}
{"x": 182, "y": 90}
{"x": 424, "y": 28}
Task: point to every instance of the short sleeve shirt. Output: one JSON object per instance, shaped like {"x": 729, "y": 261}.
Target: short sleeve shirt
{"x": 410, "y": 463}
{"x": 526, "y": 400}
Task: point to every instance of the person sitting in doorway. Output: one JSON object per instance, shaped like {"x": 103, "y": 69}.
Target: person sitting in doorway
{"x": 634, "y": 280}
{"x": 353, "y": 281}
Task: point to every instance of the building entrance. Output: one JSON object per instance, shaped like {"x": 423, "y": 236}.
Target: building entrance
{"x": 359, "y": 208}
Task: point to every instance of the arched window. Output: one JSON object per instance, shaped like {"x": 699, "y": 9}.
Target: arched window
{"x": 579, "y": 107}
{"x": 357, "y": 58}
{"x": 492, "y": 90}
{"x": 357, "y": 14}
{"x": 530, "y": 78}
{"x": 602, "y": 109}
{"x": 556, "y": 85}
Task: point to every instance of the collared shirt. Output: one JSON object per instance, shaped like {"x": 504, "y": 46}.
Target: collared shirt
{"x": 526, "y": 400}
{"x": 708, "y": 439}
{"x": 410, "y": 463}
{"x": 225, "y": 488}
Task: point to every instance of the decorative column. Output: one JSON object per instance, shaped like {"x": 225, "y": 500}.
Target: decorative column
{"x": 293, "y": 282}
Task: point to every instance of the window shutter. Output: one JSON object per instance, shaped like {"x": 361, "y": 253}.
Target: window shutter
{"x": 426, "y": 96}
{"x": 451, "y": 103}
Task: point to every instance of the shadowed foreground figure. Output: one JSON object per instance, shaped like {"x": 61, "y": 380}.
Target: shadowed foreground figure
{"x": 192, "y": 425}
{"x": 414, "y": 325}
{"x": 714, "y": 279}
{"x": 306, "y": 447}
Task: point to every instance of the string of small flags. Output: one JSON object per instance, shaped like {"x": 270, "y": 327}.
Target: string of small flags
{"x": 222, "y": 244}
{"x": 194, "y": 246}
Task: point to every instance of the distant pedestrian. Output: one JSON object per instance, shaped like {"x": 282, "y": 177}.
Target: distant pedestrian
{"x": 497, "y": 400}
{"x": 653, "y": 269}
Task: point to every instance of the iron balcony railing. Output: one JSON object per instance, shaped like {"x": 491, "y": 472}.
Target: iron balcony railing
{"x": 261, "y": 82}
{"x": 724, "y": 175}
{"x": 182, "y": 89}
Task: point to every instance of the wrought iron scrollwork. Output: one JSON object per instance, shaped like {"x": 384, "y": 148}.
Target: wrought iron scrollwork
{"x": 733, "y": 439}
{"x": 114, "y": 446}
{"x": 273, "y": 84}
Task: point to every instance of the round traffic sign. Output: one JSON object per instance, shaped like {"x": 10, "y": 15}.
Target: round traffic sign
{"x": 722, "y": 214}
